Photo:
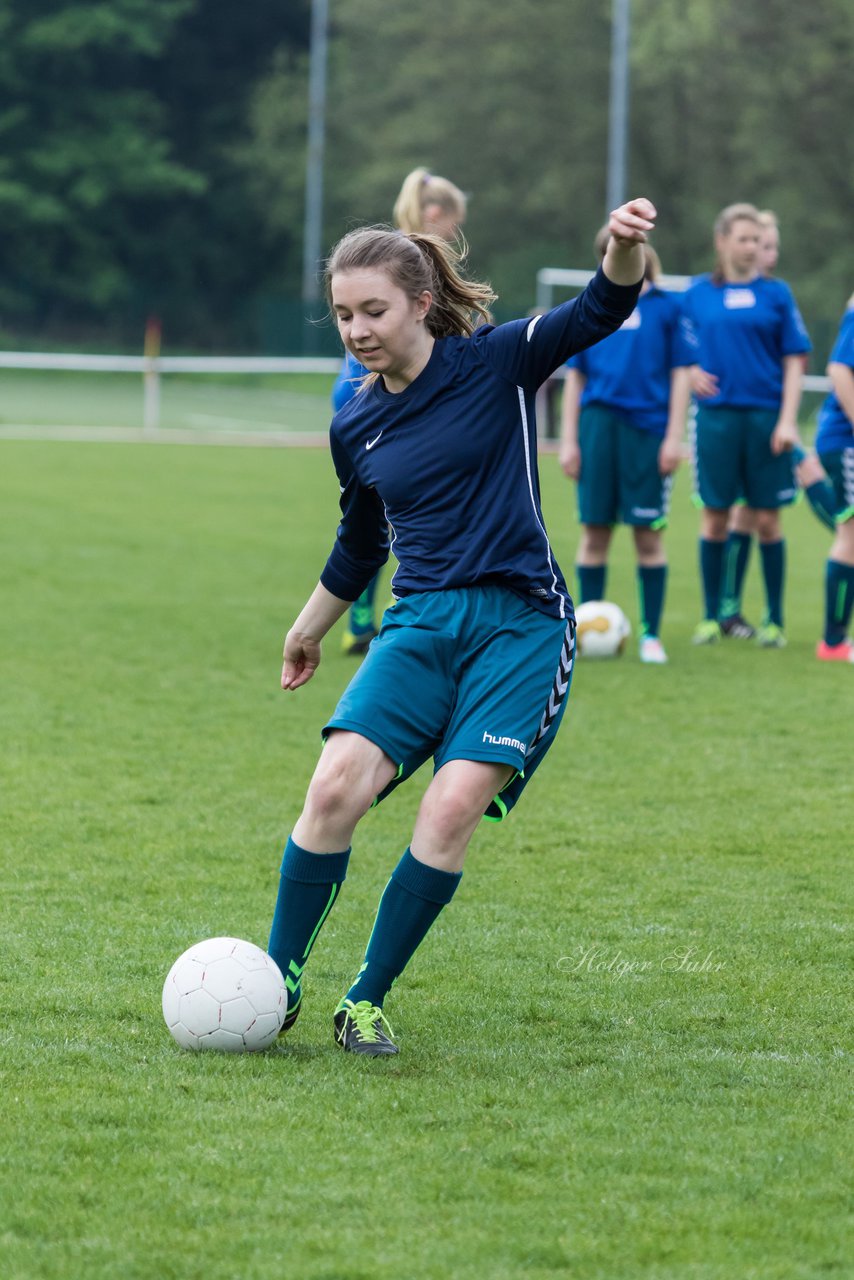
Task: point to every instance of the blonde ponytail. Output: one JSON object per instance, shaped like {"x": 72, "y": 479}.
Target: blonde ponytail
{"x": 420, "y": 189}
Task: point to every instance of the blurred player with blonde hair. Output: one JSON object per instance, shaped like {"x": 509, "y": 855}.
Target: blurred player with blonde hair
{"x": 749, "y": 342}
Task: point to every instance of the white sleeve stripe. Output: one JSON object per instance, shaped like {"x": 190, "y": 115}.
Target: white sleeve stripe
{"x": 525, "y": 442}
{"x": 530, "y": 331}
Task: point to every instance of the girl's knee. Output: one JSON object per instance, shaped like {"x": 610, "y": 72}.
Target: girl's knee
{"x": 454, "y": 803}
{"x": 595, "y": 540}
{"x": 340, "y": 785}
{"x": 769, "y": 527}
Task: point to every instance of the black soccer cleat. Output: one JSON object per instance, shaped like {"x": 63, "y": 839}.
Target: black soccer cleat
{"x": 290, "y": 1018}
{"x": 359, "y": 1029}
{"x": 737, "y": 628}
{"x": 356, "y": 644}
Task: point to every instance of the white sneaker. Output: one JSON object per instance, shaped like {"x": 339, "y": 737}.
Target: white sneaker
{"x": 652, "y": 650}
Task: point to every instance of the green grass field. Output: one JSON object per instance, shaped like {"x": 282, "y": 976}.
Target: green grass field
{"x": 625, "y": 1050}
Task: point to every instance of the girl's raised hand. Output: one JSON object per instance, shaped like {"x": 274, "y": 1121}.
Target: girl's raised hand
{"x": 633, "y": 221}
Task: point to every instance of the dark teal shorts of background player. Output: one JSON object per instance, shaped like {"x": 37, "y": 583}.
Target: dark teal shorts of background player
{"x": 839, "y": 465}
{"x": 620, "y": 481}
{"x": 733, "y": 460}
{"x": 473, "y": 673}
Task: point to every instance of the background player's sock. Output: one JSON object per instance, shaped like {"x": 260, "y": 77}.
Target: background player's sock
{"x": 361, "y": 617}
{"x": 412, "y": 900}
{"x": 736, "y": 558}
{"x": 309, "y": 885}
{"x": 652, "y": 583}
{"x": 711, "y": 571}
{"x": 822, "y": 499}
{"x": 591, "y": 581}
{"x": 774, "y": 571}
{"x": 820, "y": 494}
{"x": 838, "y": 601}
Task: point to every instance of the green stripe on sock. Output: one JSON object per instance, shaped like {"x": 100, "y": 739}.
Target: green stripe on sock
{"x": 320, "y": 922}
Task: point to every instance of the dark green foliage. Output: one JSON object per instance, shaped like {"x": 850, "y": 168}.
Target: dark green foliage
{"x": 116, "y": 171}
{"x": 152, "y": 157}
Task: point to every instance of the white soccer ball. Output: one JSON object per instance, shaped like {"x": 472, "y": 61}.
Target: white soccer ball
{"x": 225, "y": 994}
{"x": 602, "y": 629}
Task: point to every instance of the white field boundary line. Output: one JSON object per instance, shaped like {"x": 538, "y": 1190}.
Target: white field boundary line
{"x": 165, "y": 435}
{"x": 233, "y": 439}
{"x": 167, "y": 364}
{"x": 213, "y": 422}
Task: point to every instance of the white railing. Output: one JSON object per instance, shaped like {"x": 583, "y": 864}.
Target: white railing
{"x": 152, "y": 367}
{"x": 549, "y": 278}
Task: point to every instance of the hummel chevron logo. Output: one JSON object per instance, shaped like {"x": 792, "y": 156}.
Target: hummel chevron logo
{"x": 559, "y": 688}
{"x": 296, "y": 970}
{"x": 369, "y": 444}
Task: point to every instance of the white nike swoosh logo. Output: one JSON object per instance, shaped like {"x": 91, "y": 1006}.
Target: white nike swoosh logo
{"x": 369, "y": 444}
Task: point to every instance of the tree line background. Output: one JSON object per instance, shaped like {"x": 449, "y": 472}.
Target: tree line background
{"x": 152, "y": 156}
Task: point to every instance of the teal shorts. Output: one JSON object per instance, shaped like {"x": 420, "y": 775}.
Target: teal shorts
{"x": 620, "y": 481}
{"x": 839, "y": 465}
{"x": 473, "y": 673}
{"x": 733, "y": 460}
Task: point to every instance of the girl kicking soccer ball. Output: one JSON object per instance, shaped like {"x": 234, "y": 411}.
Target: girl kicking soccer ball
{"x": 473, "y": 663}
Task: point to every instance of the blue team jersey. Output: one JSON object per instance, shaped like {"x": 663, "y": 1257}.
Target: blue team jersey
{"x": 741, "y": 333}
{"x": 630, "y": 370}
{"x": 835, "y": 428}
{"x": 347, "y": 382}
{"x": 450, "y": 463}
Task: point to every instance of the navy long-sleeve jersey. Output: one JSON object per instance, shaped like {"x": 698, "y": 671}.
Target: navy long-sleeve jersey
{"x": 450, "y": 463}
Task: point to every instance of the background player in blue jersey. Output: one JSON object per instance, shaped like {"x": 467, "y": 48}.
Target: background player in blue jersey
{"x": 808, "y": 473}
{"x": 742, "y": 520}
{"x": 426, "y": 202}
{"x": 749, "y": 340}
{"x": 473, "y": 662}
{"x": 625, "y": 407}
{"x": 835, "y": 444}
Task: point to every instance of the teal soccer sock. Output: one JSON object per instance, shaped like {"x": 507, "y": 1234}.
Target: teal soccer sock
{"x": 412, "y": 900}
{"x": 822, "y": 499}
{"x": 309, "y": 885}
{"x": 362, "y": 610}
{"x": 652, "y": 584}
{"x": 736, "y": 558}
{"x": 711, "y": 572}
{"x": 838, "y": 600}
{"x": 774, "y": 573}
{"x": 591, "y": 581}
{"x": 819, "y": 494}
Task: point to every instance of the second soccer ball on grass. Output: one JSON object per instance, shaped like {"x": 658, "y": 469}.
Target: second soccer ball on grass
{"x": 603, "y": 629}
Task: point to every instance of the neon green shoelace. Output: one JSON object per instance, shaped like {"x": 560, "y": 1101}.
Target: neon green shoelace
{"x": 367, "y": 1018}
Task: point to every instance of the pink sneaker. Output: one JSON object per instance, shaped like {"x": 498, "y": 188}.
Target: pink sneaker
{"x": 843, "y": 652}
{"x": 652, "y": 650}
